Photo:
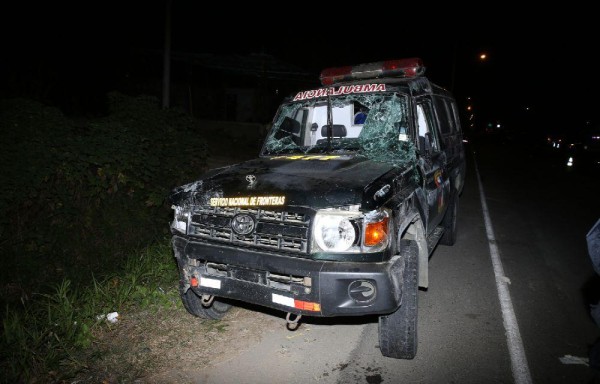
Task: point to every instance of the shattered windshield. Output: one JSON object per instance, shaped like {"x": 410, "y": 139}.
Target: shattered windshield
{"x": 371, "y": 125}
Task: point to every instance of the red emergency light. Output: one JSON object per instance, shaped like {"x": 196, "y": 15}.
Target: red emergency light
{"x": 412, "y": 67}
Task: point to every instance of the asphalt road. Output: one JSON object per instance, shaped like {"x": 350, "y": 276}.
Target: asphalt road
{"x": 540, "y": 212}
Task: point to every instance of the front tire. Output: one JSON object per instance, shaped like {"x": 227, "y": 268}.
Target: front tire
{"x": 398, "y": 330}
{"x": 193, "y": 303}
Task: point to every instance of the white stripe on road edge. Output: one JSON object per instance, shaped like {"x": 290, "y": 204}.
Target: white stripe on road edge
{"x": 520, "y": 369}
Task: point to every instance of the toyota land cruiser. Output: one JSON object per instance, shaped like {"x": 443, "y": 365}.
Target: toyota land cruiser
{"x": 356, "y": 184}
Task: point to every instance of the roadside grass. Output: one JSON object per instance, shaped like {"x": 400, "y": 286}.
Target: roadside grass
{"x": 50, "y": 337}
{"x": 80, "y": 200}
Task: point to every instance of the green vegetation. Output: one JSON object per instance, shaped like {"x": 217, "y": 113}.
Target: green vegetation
{"x": 71, "y": 190}
{"x": 51, "y": 336}
{"x": 80, "y": 200}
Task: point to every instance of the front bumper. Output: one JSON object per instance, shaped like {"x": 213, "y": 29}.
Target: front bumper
{"x": 278, "y": 281}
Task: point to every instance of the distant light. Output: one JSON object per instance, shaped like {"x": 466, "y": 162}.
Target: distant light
{"x": 498, "y": 125}
{"x": 570, "y": 162}
{"x": 527, "y": 108}
{"x": 483, "y": 56}
{"x": 469, "y": 108}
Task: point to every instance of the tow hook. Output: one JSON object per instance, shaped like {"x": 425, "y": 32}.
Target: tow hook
{"x": 292, "y": 324}
{"x": 207, "y": 300}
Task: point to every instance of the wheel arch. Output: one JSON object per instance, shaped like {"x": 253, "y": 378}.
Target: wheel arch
{"x": 412, "y": 227}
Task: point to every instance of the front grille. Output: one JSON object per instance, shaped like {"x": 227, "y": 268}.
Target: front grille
{"x": 274, "y": 230}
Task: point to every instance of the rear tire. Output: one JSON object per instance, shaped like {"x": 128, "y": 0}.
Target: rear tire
{"x": 193, "y": 303}
{"x": 449, "y": 221}
{"x": 398, "y": 330}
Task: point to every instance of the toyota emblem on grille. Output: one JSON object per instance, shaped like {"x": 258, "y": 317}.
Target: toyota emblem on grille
{"x": 242, "y": 224}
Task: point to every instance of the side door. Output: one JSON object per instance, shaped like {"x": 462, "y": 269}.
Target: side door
{"x": 435, "y": 183}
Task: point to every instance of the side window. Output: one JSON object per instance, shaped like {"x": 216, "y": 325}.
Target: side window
{"x": 451, "y": 116}
{"x": 456, "y": 118}
{"x": 301, "y": 117}
{"x": 359, "y": 113}
{"x": 444, "y": 115}
{"x": 425, "y": 126}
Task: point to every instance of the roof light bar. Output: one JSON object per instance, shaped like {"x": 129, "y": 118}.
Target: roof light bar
{"x": 411, "y": 67}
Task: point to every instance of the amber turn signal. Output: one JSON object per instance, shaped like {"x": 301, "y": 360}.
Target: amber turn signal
{"x": 376, "y": 233}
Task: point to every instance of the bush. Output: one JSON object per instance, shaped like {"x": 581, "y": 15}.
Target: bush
{"x": 77, "y": 195}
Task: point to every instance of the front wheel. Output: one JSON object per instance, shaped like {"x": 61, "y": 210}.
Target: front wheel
{"x": 398, "y": 330}
{"x": 193, "y": 303}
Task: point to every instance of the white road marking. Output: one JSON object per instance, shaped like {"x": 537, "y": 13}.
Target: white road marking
{"x": 520, "y": 368}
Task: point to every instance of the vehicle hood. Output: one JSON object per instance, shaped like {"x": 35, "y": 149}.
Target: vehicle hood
{"x": 312, "y": 181}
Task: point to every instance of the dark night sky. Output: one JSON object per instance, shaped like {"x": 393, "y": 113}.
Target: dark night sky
{"x": 542, "y": 59}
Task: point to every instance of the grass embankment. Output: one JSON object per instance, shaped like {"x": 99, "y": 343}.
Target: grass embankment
{"x": 50, "y": 338}
{"x": 80, "y": 200}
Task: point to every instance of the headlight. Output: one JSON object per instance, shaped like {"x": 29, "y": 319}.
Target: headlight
{"x": 335, "y": 232}
{"x": 343, "y": 230}
{"x": 180, "y": 220}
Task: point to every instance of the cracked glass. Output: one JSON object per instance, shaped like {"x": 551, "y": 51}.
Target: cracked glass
{"x": 371, "y": 125}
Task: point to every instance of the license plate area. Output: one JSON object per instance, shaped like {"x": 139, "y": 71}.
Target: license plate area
{"x": 250, "y": 275}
